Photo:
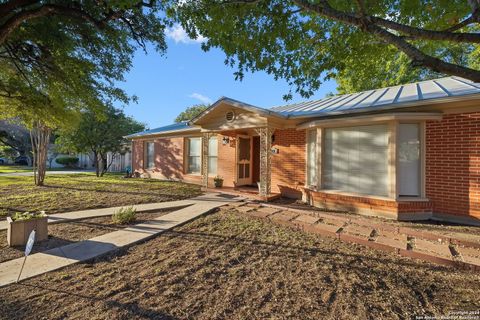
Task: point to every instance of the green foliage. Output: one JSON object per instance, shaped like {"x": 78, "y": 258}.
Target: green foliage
{"x": 191, "y": 112}
{"x": 60, "y": 64}
{"x": 99, "y": 134}
{"x": 124, "y": 216}
{"x": 26, "y": 216}
{"x": 67, "y": 161}
{"x": 306, "y": 48}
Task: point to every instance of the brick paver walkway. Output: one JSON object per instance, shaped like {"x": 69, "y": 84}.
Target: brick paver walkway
{"x": 447, "y": 248}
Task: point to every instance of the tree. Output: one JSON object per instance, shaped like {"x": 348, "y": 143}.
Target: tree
{"x": 99, "y": 135}
{"x": 16, "y": 137}
{"x": 191, "y": 112}
{"x": 60, "y": 58}
{"x": 307, "y": 42}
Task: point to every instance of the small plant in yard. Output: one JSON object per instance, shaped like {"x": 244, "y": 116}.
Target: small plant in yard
{"x": 218, "y": 181}
{"x": 25, "y": 216}
{"x": 124, "y": 216}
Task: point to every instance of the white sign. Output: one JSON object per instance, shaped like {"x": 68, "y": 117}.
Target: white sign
{"x": 30, "y": 241}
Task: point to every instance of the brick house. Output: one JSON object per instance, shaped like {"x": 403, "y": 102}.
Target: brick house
{"x": 406, "y": 152}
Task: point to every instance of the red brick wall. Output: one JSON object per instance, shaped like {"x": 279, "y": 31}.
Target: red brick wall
{"x": 137, "y": 155}
{"x": 226, "y": 161}
{"x": 369, "y": 205}
{"x": 288, "y": 166}
{"x": 453, "y": 164}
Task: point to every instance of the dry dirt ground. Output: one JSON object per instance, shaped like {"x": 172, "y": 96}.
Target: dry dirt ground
{"x": 229, "y": 266}
{"x": 61, "y": 234}
{"x": 71, "y": 192}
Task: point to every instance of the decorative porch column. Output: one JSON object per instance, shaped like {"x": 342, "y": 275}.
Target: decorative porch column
{"x": 265, "y": 160}
{"x": 205, "y": 139}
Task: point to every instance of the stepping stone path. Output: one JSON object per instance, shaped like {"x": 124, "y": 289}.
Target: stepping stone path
{"x": 446, "y": 248}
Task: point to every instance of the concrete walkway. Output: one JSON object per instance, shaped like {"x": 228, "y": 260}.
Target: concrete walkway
{"x": 94, "y": 213}
{"x": 57, "y": 258}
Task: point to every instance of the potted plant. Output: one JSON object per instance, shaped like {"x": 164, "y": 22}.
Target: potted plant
{"x": 21, "y": 224}
{"x": 218, "y": 181}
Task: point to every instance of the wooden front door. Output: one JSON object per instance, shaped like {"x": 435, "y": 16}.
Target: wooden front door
{"x": 244, "y": 160}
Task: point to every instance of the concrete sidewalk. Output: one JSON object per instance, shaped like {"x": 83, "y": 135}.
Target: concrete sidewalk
{"x": 94, "y": 213}
{"x": 57, "y": 258}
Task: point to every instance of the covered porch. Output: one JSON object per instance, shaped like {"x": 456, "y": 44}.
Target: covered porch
{"x": 242, "y": 149}
{"x": 243, "y": 160}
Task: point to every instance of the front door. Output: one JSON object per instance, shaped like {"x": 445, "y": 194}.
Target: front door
{"x": 244, "y": 159}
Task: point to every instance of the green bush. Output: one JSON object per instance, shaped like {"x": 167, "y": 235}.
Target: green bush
{"x": 67, "y": 161}
{"x": 124, "y": 216}
{"x": 25, "y": 216}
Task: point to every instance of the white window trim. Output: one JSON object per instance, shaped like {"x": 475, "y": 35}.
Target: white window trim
{"x": 392, "y": 162}
{"x": 145, "y": 155}
{"x": 186, "y": 157}
{"x": 210, "y": 174}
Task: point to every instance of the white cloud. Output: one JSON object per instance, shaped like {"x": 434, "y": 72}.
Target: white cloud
{"x": 201, "y": 97}
{"x": 179, "y": 35}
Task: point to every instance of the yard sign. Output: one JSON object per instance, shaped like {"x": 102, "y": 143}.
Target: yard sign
{"x": 28, "y": 249}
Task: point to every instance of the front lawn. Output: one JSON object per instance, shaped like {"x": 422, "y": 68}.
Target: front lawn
{"x": 229, "y": 266}
{"x": 14, "y": 169}
{"x": 71, "y": 192}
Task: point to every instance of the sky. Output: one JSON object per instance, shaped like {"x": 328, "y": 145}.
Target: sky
{"x": 186, "y": 75}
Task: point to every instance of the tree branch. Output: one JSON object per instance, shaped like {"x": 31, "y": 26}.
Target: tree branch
{"x": 418, "y": 57}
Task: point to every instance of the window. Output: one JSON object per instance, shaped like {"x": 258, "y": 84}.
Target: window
{"x": 212, "y": 155}
{"x": 194, "y": 146}
{"x": 356, "y": 159}
{"x": 312, "y": 158}
{"x": 149, "y": 155}
{"x": 408, "y": 159}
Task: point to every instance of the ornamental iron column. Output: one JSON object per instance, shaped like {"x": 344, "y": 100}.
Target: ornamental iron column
{"x": 265, "y": 160}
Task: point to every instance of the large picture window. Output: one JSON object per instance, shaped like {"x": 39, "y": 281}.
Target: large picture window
{"x": 408, "y": 159}
{"x": 194, "y": 146}
{"x": 355, "y": 159}
{"x": 212, "y": 155}
{"x": 311, "y": 157}
{"x": 149, "y": 155}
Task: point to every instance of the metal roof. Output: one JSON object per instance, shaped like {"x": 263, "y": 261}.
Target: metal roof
{"x": 391, "y": 97}
{"x": 405, "y": 95}
{"x": 171, "y": 128}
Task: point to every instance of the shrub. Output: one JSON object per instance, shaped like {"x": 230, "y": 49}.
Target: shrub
{"x": 124, "y": 216}
{"x": 67, "y": 161}
{"x": 25, "y": 216}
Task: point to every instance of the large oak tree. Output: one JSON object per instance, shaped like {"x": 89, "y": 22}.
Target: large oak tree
{"x": 362, "y": 43}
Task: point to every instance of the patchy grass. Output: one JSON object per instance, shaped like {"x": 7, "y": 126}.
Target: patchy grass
{"x": 229, "y": 266}
{"x": 14, "y": 169}
{"x": 71, "y": 192}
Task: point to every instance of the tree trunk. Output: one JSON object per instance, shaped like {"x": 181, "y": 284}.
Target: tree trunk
{"x": 95, "y": 161}
{"x": 40, "y": 137}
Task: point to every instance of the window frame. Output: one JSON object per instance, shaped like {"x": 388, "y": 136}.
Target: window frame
{"x": 187, "y": 156}
{"x": 146, "y": 161}
{"x": 393, "y": 149}
{"x": 210, "y": 156}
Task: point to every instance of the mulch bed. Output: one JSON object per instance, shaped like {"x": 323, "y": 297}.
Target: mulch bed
{"x": 229, "y": 266}
{"x": 60, "y": 234}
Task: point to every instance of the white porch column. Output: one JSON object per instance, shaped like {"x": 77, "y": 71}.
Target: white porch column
{"x": 205, "y": 141}
{"x": 265, "y": 160}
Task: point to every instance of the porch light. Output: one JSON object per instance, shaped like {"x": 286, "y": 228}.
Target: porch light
{"x": 225, "y": 140}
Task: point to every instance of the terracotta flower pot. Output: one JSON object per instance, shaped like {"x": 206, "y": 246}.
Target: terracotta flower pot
{"x": 18, "y": 231}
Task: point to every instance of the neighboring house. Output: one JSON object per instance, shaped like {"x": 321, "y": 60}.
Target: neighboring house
{"x": 407, "y": 152}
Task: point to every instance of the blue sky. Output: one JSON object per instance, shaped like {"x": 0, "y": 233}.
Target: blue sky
{"x": 166, "y": 85}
